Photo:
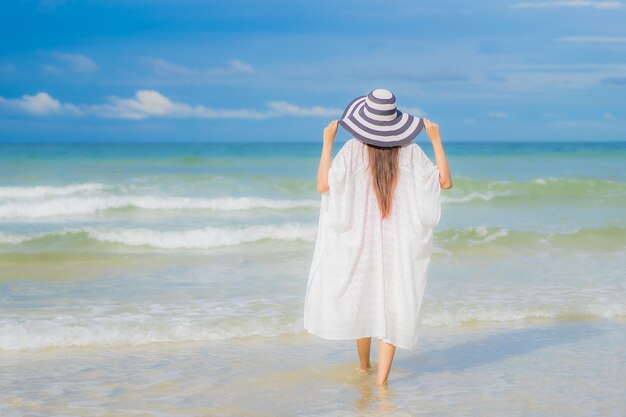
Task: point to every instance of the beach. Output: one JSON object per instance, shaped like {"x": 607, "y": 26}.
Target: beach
{"x": 169, "y": 280}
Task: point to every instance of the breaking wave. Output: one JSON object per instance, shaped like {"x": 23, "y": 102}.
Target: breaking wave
{"x": 93, "y": 204}
{"x": 204, "y": 238}
{"x": 455, "y": 240}
{"x": 131, "y": 330}
{"x": 464, "y": 316}
{"x": 143, "y": 328}
{"x": 467, "y": 190}
{"x": 43, "y": 191}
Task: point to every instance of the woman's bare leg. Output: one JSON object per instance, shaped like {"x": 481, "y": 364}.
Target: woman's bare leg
{"x": 363, "y": 346}
{"x": 385, "y": 358}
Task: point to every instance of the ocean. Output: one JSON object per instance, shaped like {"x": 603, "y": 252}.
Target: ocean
{"x": 169, "y": 279}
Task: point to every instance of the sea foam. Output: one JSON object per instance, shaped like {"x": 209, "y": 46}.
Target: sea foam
{"x": 92, "y": 204}
{"x": 28, "y": 335}
{"x": 447, "y": 241}
{"x": 201, "y": 238}
{"x": 462, "y": 316}
{"x": 206, "y": 238}
{"x": 42, "y": 191}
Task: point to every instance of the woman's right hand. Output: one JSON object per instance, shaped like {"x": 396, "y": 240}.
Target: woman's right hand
{"x": 330, "y": 131}
{"x": 432, "y": 129}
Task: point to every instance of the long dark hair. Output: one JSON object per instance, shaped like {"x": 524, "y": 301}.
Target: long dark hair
{"x": 383, "y": 168}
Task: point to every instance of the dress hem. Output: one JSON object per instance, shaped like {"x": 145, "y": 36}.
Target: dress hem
{"x": 372, "y": 334}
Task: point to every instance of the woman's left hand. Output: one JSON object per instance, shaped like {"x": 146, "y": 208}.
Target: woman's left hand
{"x": 330, "y": 131}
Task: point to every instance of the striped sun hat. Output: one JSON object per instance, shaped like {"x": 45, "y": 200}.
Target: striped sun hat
{"x": 374, "y": 119}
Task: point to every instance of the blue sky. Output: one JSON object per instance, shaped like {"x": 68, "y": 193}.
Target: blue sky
{"x": 192, "y": 70}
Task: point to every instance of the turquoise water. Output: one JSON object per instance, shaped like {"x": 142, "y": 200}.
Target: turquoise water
{"x": 119, "y": 251}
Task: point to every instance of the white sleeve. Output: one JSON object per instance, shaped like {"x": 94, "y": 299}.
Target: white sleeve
{"x": 428, "y": 188}
{"x": 337, "y": 202}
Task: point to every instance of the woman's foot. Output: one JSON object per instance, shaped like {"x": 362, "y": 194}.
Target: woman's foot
{"x": 365, "y": 370}
{"x": 386, "y": 353}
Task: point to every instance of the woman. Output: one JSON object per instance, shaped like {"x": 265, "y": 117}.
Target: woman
{"x": 380, "y": 203}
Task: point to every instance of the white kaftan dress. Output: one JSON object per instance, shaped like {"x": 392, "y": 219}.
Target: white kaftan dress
{"x": 368, "y": 275}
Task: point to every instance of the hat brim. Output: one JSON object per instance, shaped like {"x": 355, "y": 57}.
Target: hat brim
{"x": 397, "y": 132}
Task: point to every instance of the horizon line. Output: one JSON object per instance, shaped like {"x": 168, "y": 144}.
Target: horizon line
{"x": 290, "y": 142}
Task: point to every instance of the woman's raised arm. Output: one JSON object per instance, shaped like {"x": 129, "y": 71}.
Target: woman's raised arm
{"x": 327, "y": 149}
{"x": 432, "y": 129}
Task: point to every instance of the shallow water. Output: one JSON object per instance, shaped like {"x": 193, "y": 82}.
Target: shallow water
{"x": 169, "y": 280}
{"x": 567, "y": 368}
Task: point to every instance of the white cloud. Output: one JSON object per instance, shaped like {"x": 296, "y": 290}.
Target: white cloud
{"x": 414, "y": 111}
{"x": 40, "y": 104}
{"x": 146, "y": 103}
{"x": 608, "y": 116}
{"x": 150, "y": 103}
{"x": 77, "y": 62}
{"x": 570, "y": 4}
{"x": 469, "y": 121}
{"x": 592, "y": 39}
{"x": 166, "y": 68}
{"x": 281, "y": 107}
{"x": 238, "y": 66}
{"x": 498, "y": 114}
